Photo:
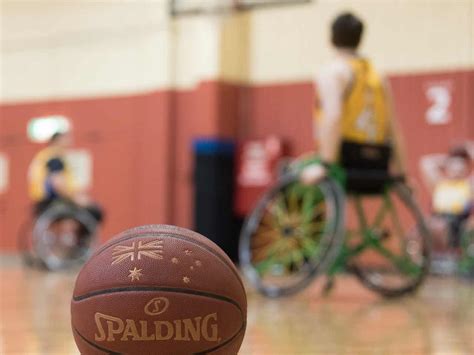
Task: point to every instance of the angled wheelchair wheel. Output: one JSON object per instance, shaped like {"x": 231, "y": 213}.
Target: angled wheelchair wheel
{"x": 63, "y": 236}
{"x": 291, "y": 235}
{"x": 390, "y": 241}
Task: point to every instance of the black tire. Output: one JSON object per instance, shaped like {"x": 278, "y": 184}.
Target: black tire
{"x": 74, "y": 254}
{"x": 25, "y": 244}
{"x": 306, "y": 253}
{"x": 417, "y": 239}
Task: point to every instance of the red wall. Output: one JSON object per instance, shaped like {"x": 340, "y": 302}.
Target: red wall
{"x": 141, "y": 145}
{"x": 128, "y": 138}
{"x": 141, "y": 148}
{"x": 412, "y": 103}
{"x": 286, "y": 110}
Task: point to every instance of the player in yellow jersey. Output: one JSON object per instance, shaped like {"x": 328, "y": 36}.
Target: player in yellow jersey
{"x": 353, "y": 113}
{"x": 51, "y": 179}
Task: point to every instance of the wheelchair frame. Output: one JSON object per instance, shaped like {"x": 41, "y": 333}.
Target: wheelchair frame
{"x": 338, "y": 253}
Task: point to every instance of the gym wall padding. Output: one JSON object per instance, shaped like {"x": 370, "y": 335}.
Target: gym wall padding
{"x": 141, "y": 145}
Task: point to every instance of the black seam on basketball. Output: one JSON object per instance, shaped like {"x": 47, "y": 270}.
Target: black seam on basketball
{"x": 107, "y": 351}
{"x": 177, "y": 236}
{"x": 242, "y": 328}
{"x": 156, "y": 288}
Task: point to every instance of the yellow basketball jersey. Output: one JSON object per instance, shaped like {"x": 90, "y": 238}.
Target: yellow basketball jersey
{"x": 365, "y": 111}
{"x": 452, "y": 196}
{"x": 38, "y": 174}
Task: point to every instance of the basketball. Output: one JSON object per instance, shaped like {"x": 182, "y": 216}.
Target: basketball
{"x": 159, "y": 289}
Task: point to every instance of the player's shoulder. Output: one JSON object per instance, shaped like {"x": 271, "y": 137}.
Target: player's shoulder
{"x": 336, "y": 67}
{"x": 42, "y": 154}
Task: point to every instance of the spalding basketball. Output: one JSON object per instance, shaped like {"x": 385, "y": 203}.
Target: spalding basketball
{"x": 159, "y": 290}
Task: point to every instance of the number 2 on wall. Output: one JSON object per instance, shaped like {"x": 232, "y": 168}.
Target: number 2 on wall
{"x": 439, "y": 112}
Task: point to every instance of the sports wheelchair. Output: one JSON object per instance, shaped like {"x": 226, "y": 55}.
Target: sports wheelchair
{"x": 297, "y": 232}
{"x": 466, "y": 262}
{"x": 60, "y": 237}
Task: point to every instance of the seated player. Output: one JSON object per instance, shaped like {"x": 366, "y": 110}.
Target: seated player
{"x": 355, "y": 125}
{"x": 451, "y": 181}
{"x": 51, "y": 179}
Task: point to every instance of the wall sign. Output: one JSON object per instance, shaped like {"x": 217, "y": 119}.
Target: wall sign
{"x": 439, "y": 96}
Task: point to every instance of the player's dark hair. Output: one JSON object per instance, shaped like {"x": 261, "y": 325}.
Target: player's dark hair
{"x": 55, "y": 137}
{"x": 347, "y": 31}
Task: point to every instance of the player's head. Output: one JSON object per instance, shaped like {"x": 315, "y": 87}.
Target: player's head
{"x": 458, "y": 163}
{"x": 346, "y": 31}
{"x": 60, "y": 139}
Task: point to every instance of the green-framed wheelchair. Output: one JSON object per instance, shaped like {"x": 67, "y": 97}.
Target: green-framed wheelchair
{"x": 359, "y": 220}
{"x": 466, "y": 262}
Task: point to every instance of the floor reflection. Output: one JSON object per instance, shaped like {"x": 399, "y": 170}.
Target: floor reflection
{"x": 34, "y": 308}
{"x": 439, "y": 320}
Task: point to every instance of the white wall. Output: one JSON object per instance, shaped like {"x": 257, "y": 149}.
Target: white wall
{"x": 84, "y": 48}
{"x": 196, "y": 42}
{"x": 290, "y": 43}
{"x": 54, "y": 49}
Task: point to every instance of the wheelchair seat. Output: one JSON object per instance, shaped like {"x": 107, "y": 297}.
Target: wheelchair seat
{"x": 367, "y": 167}
{"x": 369, "y": 181}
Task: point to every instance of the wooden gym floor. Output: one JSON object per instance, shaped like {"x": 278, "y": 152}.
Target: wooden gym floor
{"x": 34, "y": 311}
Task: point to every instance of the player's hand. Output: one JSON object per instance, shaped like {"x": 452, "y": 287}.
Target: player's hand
{"x": 313, "y": 174}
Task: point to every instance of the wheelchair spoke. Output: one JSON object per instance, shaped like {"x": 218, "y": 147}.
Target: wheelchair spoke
{"x": 268, "y": 220}
{"x": 267, "y": 252}
{"x": 294, "y": 258}
{"x": 310, "y": 248}
{"x": 278, "y": 210}
{"x": 313, "y": 228}
{"x": 310, "y": 205}
{"x": 313, "y": 213}
{"x": 263, "y": 240}
{"x": 263, "y": 231}
{"x": 262, "y": 266}
{"x": 271, "y": 256}
{"x": 293, "y": 199}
